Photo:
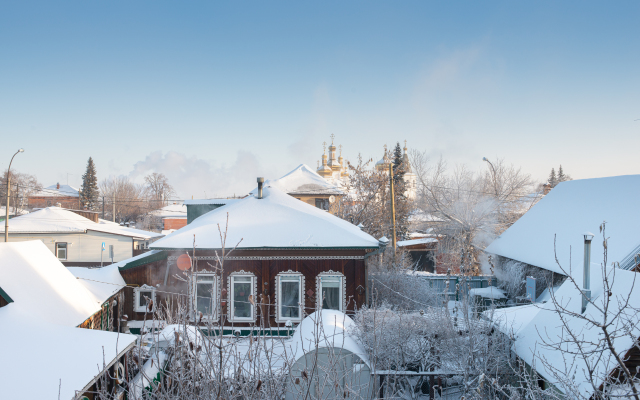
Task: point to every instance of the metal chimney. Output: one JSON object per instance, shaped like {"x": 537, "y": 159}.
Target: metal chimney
{"x": 260, "y": 182}
{"x": 586, "y": 279}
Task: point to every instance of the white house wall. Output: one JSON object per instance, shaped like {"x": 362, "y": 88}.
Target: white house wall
{"x": 83, "y": 247}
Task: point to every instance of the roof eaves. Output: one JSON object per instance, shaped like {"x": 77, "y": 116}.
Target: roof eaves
{"x": 270, "y": 248}
{"x": 5, "y": 296}
{"x": 152, "y": 257}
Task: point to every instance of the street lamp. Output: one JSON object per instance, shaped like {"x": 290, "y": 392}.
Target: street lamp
{"x": 493, "y": 169}
{"x": 586, "y": 279}
{"x": 6, "y": 221}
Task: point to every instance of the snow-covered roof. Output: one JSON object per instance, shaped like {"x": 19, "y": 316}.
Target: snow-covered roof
{"x": 101, "y": 282}
{"x": 220, "y": 202}
{"x": 59, "y": 220}
{"x": 325, "y": 328}
{"x": 531, "y": 325}
{"x": 302, "y": 180}
{"x": 569, "y": 210}
{"x": 412, "y": 242}
{"x": 41, "y": 359}
{"x": 171, "y": 211}
{"x": 54, "y": 191}
{"x": 275, "y": 221}
{"x": 42, "y": 287}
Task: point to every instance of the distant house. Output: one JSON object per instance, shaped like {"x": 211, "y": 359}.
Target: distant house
{"x": 291, "y": 256}
{"x": 422, "y": 251}
{"x": 173, "y": 217}
{"x": 64, "y": 196}
{"x": 549, "y": 240}
{"x": 305, "y": 184}
{"x": 77, "y": 240}
{"x": 43, "y": 308}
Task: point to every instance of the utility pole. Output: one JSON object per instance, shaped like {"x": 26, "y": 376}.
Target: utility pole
{"x": 102, "y": 207}
{"x": 6, "y": 221}
{"x": 114, "y": 208}
{"x": 393, "y": 206}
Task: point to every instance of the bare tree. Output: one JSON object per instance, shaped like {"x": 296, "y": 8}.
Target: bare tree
{"x": 158, "y": 189}
{"x": 23, "y": 185}
{"x": 126, "y": 196}
{"x": 367, "y": 201}
{"x": 471, "y": 208}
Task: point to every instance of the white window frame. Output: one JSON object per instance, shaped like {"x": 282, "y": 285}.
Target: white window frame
{"x": 136, "y": 298}
{"x": 215, "y": 295}
{"x": 66, "y": 250}
{"x": 279, "y": 317}
{"x": 230, "y": 293}
{"x": 343, "y": 288}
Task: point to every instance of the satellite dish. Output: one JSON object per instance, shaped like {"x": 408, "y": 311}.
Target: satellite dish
{"x": 184, "y": 262}
{"x": 119, "y": 373}
{"x": 332, "y": 199}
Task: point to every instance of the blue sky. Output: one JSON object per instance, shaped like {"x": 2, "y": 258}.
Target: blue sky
{"x": 215, "y": 93}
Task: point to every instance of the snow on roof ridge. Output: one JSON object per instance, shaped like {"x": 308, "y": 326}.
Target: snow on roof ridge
{"x": 59, "y": 220}
{"x": 275, "y": 221}
{"x": 561, "y": 217}
{"x": 302, "y": 180}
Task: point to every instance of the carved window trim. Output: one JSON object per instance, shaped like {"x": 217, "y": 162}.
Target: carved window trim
{"x": 136, "y": 298}
{"x": 230, "y": 303}
{"x": 216, "y": 296}
{"x": 280, "y": 319}
{"x": 343, "y": 287}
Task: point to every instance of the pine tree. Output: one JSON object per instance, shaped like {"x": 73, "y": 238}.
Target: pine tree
{"x": 553, "y": 181}
{"x": 89, "y": 189}
{"x": 398, "y": 169}
{"x": 562, "y": 177}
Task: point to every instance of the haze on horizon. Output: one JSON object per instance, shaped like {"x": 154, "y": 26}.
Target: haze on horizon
{"x": 215, "y": 94}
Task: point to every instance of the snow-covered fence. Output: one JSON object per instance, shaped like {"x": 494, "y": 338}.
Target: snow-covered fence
{"x": 458, "y": 285}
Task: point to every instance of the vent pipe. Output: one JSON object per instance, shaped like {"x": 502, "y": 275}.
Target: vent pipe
{"x": 586, "y": 278}
{"x": 260, "y": 182}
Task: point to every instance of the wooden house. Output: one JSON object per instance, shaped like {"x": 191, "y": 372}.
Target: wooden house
{"x": 290, "y": 258}
{"x": 76, "y": 237}
{"x": 43, "y": 311}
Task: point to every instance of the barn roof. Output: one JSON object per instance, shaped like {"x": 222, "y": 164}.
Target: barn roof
{"x": 277, "y": 221}
{"x": 565, "y": 214}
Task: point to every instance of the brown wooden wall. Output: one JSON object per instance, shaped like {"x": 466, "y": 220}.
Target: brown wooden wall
{"x": 265, "y": 270}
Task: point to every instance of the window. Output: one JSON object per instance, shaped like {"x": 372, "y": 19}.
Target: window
{"x": 290, "y": 300}
{"x": 331, "y": 291}
{"x": 206, "y": 294}
{"x": 61, "y": 251}
{"x": 142, "y": 296}
{"x": 242, "y": 296}
{"x": 322, "y": 204}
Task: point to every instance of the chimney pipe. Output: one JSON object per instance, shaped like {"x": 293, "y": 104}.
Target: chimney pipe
{"x": 58, "y": 185}
{"x": 586, "y": 279}
{"x": 260, "y": 182}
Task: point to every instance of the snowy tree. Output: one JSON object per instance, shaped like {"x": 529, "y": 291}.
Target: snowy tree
{"x": 89, "y": 189}
{"x": 368, "y": 201}
{"x": 469, "y": 208}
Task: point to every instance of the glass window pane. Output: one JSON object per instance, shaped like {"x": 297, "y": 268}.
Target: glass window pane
{"x": 241, "y": 292}
{"x": 204, "y": 296}
{"x": 143, "y": 298}
{"x": 332, "y": 281}
{"x": 290, "y": 298}
{"x": 331, "y": 291}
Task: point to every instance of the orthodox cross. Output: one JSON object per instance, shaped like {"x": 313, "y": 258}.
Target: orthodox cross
{"x": 324, "y": 147}
{"x": 340, "y": 147}
{"x": 332, "y": 137}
